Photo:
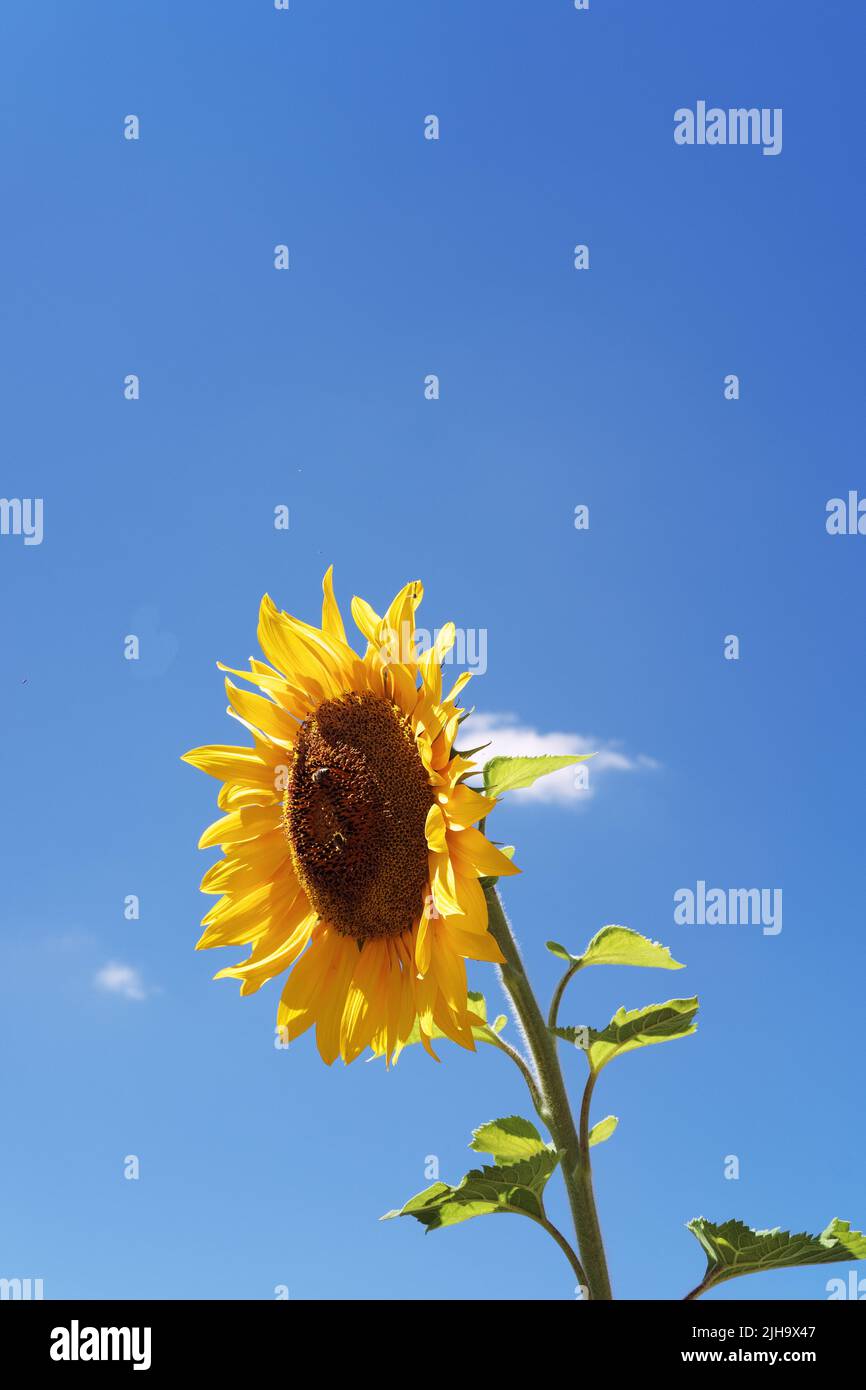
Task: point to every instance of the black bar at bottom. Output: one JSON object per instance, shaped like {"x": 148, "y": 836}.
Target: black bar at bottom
{"x": 294, "y": 1338}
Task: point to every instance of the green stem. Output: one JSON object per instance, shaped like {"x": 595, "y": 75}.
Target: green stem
{"x": 696, "y": 1292}
{"x": 560, "y": 991}
{"x": 586, "y": 1159}
{"x": 521, "y": 1063}
{"x": 565, "y": 1248}
{"x": 555, "y": 1109}
{"x": 584, "y": 1112}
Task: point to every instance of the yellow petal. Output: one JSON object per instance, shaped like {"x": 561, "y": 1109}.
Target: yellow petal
{"x": 472, "y": 945}
{"x": 253, "y": 860}
{"x": 443, "y": 884}
{"x": 230, "y": 763}
{"x": 255, "y": 918}
{"x": 300, "y": 997}
{"x": 334, "y": 990}
{"x": 463, "y": 806}
{"x": 287, "y": 648}
{"x": 435, "y": 828}
{"x": 425, "y": 997}
{"x": 399, "y": 683}
{"x": 461, "y": 682}
{"x": 243, "y": 824}
{"x": 332, "y": 619}
{"x": 273, "y": 954}
{"x": 395, "y": 987}
{"x": 366, "y": 1000}
{"x": 456, "y": 1025}
{"x": 423, "y": 945}
{"x": 367, "y": 620}
{"x": 296, "y": 702}
{"x": 472, "y": 903}
{"x": 262, "y": 714}
{"x": 450, "y": 972}
{"x": 400, "y": 617}
{"x": 471, "y": 852}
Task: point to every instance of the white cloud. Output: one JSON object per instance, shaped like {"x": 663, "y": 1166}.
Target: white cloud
{"x": 124, "y": 980}
{"x": 509, "y": 738}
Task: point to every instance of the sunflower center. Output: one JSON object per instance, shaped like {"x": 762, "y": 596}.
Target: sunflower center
{"x": 354, "y": 813}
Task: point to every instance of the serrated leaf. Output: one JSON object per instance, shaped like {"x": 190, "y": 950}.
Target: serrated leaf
{"x": 511, "y": 774}
{"x": 629, "y": 1029}
{"x": 478, "y": 1006}
{"x": 515, "y": 1187}
{"x": 615, "y": 945}
{"x": 603, "y": 1130}
{"x": 508, "y": 1140}
{"x": 734, "y": 1248}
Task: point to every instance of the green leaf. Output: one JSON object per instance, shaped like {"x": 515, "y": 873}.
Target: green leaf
{"x": 627, "y": 1030}
{"x": 508, "y": 1140}
{"x": 510, "y": 774}
{"x": 556, "y": 950}
{"x": 515, "y": 1187}
{"x": 734, "y": 1248}
{"x": 603, "y": 1130}
{"x": 620, "y": 946}
{"x": 477, "y": 1006}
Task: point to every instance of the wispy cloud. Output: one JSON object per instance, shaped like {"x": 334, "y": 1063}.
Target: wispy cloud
{"x": 508, "y": 737}
{"x": 125, "y": 980}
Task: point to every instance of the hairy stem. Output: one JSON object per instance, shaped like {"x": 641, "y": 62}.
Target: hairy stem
{"x": 555, "y": 1109}
{"x": 586, "y": 1163}
{"x": 584, "y": 1113}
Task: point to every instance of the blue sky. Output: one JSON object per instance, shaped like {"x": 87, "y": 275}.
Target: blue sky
{"x": 305, "y": 388}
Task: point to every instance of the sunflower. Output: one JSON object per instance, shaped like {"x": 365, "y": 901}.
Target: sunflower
{"x": 350, "y": 841}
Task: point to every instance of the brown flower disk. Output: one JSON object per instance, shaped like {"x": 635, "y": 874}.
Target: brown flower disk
{"x": 354, "y": 813}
